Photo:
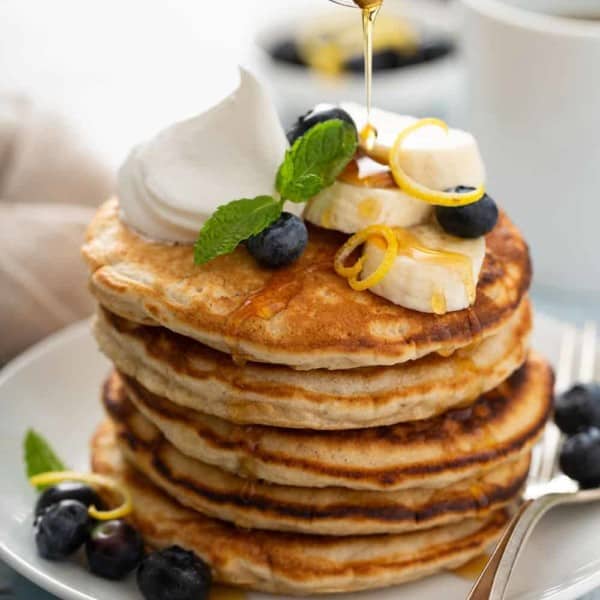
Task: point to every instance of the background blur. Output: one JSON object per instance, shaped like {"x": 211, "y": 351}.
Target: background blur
{"x": 81, "y": 82}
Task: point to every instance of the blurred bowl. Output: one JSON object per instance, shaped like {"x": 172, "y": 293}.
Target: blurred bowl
{"x": 426, "y": 89}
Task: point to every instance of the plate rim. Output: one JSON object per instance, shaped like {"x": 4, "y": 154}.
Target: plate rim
{"x": 9, "y": 370}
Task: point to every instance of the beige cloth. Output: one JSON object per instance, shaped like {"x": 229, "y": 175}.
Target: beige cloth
{"x": 49, "y": 185}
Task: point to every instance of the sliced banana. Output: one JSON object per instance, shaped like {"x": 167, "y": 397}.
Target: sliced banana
{"x": 388, "y": 124}
{"x": 434, "y": 158}
{"x": 350, "y": 208}
{"x": 440, "y": 160}
{"x": 433, "y": 272}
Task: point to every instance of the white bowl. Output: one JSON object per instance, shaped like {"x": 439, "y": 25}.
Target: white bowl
{"x": 428, "y": 89}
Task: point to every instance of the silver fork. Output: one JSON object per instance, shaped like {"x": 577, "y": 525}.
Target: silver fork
{"x": 546, "y": 487}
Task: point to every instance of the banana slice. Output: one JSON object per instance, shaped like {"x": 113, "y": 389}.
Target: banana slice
{"x": 433, "y": 272}
{"x": 434, "y": 158}
{"x": 388, "y": 124}
{"x": 350, "y": 208}
{"x": 440, "y": 160}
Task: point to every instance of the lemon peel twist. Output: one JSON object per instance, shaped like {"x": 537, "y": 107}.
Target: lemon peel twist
{"x": 419, "y": 191}
{"x": 94, "y": 479}
{"x": 351, "y": 273}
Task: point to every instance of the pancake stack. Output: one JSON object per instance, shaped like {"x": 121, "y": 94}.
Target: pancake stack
{"x": 302, "y": 437}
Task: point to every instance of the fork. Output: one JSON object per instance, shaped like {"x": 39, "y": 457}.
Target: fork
{"x": 546, "y": 486}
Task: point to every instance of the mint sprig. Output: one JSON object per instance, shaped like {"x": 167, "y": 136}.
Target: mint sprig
{"x": 315, "y": 160}
{"x": 39, "y": 456}
{"x": 233, "y": 223}
{"x": 310, "y": 165}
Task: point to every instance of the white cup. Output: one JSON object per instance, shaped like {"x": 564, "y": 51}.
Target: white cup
{"x": 534, "y": 104}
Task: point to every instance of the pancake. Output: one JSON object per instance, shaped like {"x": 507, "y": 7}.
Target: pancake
{"x": 459, "y": 444}
{"x": 293, "y": 563}
{"x": 304, "y": 315}
{"x": 195, "y": 376}
{"x": 331, "y": 511}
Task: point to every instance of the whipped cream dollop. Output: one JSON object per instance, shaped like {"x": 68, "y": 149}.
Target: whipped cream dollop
{"x": 170, "y": 185}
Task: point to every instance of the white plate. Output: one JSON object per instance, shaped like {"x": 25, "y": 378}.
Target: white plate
{"x": 54, "y": 387}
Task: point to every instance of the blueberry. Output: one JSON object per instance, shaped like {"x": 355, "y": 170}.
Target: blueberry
{"x": 287, "y": 51}
{"x": 113, "y": 549}
{"x": 173, "y": 574}
{"x": 470, "y": 221}
{"x": 281, "y": 243}
{"x": 578, "y": 408}
{"x": 319, "y": 114}
{"x": 580, "y": 457}
{"x": 61, "y": 529}
{"x": 67, "y": 490}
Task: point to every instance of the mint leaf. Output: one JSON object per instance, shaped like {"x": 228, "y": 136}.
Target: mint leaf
{"x": 316, "y": 159}
{"x": 233, "y": 223}
{"x": 311, "y": 164}
{"x": 39, "y": 456}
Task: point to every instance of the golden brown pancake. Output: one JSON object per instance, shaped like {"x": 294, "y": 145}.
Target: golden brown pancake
{"x": 461, "y": 443}
{"x": 330, "y": 511}
{"x": 195, "y": 376}
{"x": 304, "y": 315}
{"x": 289, "y": 563}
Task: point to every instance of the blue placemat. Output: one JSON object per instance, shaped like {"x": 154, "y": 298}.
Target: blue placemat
{"x": 15, "y": 587}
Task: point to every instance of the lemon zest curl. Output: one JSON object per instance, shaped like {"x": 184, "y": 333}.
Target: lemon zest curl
{"x": 95, "y": 480}
{"x": 351, "y": 273}
{"x": 419, "y": 191}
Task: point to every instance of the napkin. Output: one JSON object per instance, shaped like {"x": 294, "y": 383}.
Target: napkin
{"x": 50, "y": 183}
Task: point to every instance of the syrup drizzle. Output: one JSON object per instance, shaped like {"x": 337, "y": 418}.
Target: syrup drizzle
{"x": 380, "y": 178}
{"x": 473, "y": 568}
{"x": 278, "y": 291}
{"x": 370, "y": 10}
{"x": 275, "y": 295}
{"x": 438, "y": 302}
{"x": 225, "y": 592}
{"x": 410, "y": 245}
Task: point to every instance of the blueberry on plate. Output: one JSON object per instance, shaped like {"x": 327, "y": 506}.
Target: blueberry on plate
{"x": 67, "y": 490}
{"x": 578, "y": 408}
{"x": 173, "y": 574}
{"x": 281, "y": 243}
{"x": 580, "y": 457}
{"x": 61, "y": 529}
{"x": 113, "y": 549}
{"x": 319, "y": 114}
{"x": 470, "y": 221}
